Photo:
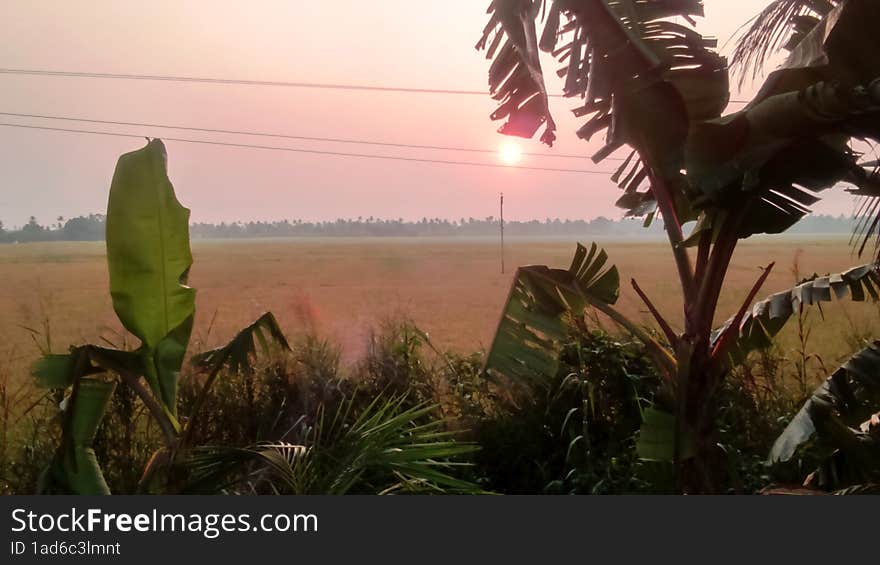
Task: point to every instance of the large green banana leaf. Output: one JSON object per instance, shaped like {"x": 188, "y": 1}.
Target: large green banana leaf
{"x": 769, "y": 316}
{"x": 148, "y": 254}
{"x": 528, "y": 338}
{"x": 656, "y": 440}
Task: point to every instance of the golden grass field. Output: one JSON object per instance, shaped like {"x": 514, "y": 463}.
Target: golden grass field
{"x": 342, "y": 288}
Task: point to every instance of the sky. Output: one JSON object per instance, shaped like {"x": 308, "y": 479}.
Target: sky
{"x": 421, "y": 44}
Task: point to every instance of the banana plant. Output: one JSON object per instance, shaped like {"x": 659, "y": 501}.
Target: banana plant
{"x": 149, "y": 258}
{"x": 843, "y": 414}
{"x": 642, "y": 74}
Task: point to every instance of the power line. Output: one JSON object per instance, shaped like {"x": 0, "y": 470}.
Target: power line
{"x": 295, "y": 137}
{"x": 312, "y": 151}
{"x": 246, "y": 82}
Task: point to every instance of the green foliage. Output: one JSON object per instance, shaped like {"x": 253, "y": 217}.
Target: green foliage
{"x": 75, "y": 467}
{"x": 92, "y": 228}
{"x": 303, "y": 399}
{"x": 126, "y": 441}
{"x": 264, "y": 404}
{"x": 575, "y": 432}
{"x": 242, "y": 349}
{"x": 657, "y": 437}
{"x": 662, "y": 75}
{"x": 753, "y": 406}
{"x": 658, "y": 87}
{"x": 395, "y": 363}
{"x": 29, "y": 437}
{"x": 238, "y": 356}
{"x": 80, "y": 228}
{"x": 149, "y": 257}
{"x": 527, "y": 341}
{"x": 384, "y": 448}
{"x": 663, "y": 87}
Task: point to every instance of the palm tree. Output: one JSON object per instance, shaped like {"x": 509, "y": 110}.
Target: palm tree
{"x": 658, "y": 90}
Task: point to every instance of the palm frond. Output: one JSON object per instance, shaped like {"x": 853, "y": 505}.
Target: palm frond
{"x": 382, "y": 448}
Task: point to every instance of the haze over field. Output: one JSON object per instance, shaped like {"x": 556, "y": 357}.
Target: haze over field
{"x": 413, "y": 44}
{"x": 452, "y": 289}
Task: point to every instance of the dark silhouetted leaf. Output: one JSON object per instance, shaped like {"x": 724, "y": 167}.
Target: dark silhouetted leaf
{"x": 238, "y": 354}
{"x": 836, "y": 413}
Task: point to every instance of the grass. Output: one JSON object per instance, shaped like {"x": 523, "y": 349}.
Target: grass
{"x": 342, "y": 288}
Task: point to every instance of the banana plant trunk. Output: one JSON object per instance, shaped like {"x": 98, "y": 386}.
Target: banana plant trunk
{"x": 698, "y": 374}
{"x": 696, "y": 465}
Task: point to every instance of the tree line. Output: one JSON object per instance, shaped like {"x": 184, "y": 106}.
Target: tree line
{"x": 91, "y": 228}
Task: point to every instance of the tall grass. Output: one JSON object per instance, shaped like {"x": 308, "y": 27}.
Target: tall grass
{"x": 304, "y": 421}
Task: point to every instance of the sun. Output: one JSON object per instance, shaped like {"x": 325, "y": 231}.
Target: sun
{"x": 510, "y": 153}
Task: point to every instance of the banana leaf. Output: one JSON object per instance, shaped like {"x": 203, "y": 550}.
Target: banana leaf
{"x": 528, "y": 339}
{"x": 239, "y": 352}
{"x": 515, "y": 77}
{"x": 656, "y": 440}
{"x": 642, "y": 76}
{"x": 769, "y": 316}
{"x": 793, "y": 140}
{"x": 75, "y": 468}
{"x": 148, "y": 255}
{"x": 836, "y": 414}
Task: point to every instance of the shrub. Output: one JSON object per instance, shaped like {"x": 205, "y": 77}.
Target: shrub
{"x": 576, "y": 434}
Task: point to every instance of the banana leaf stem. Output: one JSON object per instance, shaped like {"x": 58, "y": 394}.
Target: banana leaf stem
{"x": 665, "y": 359}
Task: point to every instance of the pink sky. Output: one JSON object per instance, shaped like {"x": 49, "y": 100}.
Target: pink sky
{"x": 394, "y": 42}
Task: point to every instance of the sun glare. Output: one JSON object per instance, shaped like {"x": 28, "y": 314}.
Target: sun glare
{"x": 510, "y": 153}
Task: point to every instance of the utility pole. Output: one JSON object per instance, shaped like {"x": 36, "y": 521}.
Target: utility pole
{"x": 502, "y": 233}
